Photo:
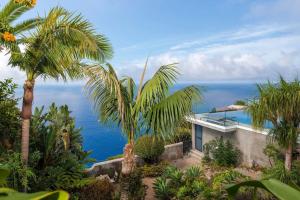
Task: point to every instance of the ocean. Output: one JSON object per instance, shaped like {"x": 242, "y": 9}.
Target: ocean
{"x": 107, "y": 141}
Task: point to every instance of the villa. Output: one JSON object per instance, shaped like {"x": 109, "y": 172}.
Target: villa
{"x": 231, "y": 125}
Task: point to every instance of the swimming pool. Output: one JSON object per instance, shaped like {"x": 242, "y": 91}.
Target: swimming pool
{"x": 231, "y": 118}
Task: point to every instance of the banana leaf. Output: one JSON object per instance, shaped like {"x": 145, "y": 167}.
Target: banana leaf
{"x": 280, "y": 190}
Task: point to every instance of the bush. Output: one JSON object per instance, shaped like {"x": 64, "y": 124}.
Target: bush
{"x": 98, "y": 190}
{"x": 154, "y": 170}
{"x": 133, "y": 184}
{"x": 149, "y": 148}
{"x": 222, "y": 152}
{"x": 279, "y": 172}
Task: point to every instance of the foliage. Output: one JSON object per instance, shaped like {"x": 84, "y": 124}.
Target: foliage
{"x": 10, "y": 194}
{"x": 151, "y": 107}
{"x": 149, "y": 148}
{"x": 154, "y": 170}
{"x": 133, "y": 184}
{"x": 272, "y": 152}
{"x": 9, "y": 29}
{"x": 162, "y": 189}
{"x": 99, "y": 190}
{"x": 115, "y": 157}
{"x": 279, "y": 104}
{"x": 279, "y": 172}
{"x": 10, "y": 124}
{"x": 240, "y": 103}
{"x": 228, "y": 176}
{"x": 275, "y": 187}
{"x": 221, "y": 152}
{"x": 55, "y": 137}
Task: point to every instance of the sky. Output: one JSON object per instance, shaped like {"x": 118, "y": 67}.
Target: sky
{"x": 211, "y": 40}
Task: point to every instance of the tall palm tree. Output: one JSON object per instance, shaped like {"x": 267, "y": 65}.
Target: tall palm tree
{"x": 11, "y": 12}
{"x": 279, "y": 104}
{"x": 151, "y": 107}
{"x": 55, "y": 50}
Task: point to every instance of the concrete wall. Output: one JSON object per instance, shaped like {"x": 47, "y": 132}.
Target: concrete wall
{"x": 250, "y": 143}
{"x": 172, "y": 152}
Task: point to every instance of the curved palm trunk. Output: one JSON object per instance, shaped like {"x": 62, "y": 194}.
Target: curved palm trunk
{"x": 26, "y": 116}
{"x": 288, "y": 157}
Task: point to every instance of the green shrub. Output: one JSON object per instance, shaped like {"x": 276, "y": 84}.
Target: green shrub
{"x": 133, "y": 184}
{"x": 162, "y": 189}
{"x": 154, "y": 170}
{"x": 279, "y": 172}
{"x": 98, "y": 190}
{"x": 227, "y": 177}
{"x": 222, "y": 152}
{"x": 149, "y": 148}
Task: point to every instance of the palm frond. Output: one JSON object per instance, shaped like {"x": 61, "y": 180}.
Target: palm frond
{"x": 26, "y": 25}
{"x": 13, "y": 10}
{"x": 157, "y": 87}
{"x": 164, "y": 116}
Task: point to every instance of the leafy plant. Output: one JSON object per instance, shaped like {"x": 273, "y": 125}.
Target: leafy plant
{"x": 275, "y": 187}
{"x": 133, "y": 184}
{"x": 272, "y": 153}
{"x": 162, "y": 189}
{"x": 221, "y": 152}
{"x": 154, "y": 170}
{"x": 279, "y": 172}
{"x": 10, "y": 194}
{"x": 10, "y": 123}
{"x": 97, "y": 190}
{"x": 149, "y": 148}
{"x": 150, "y": 107}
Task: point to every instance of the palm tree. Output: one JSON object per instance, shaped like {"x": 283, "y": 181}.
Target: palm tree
{"x": 280, "y": 105}
{"x": 150, "y": 108}
{"x": 55, "y": 50}
{"x": 8, "y": 16}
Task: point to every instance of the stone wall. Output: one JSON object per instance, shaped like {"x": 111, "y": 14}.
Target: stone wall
{"x": 172, "y": 152}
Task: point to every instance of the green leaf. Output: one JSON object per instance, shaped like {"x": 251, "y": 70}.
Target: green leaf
{"x": 278, "y": 189}
{"x": 4, "y": 173}
{"x": 10, "y": 194}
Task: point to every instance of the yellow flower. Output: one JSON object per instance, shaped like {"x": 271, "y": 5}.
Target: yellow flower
{"x": 8, "y": 37}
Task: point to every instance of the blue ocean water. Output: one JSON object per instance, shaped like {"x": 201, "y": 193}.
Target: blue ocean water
{"x": 107, "y": 141}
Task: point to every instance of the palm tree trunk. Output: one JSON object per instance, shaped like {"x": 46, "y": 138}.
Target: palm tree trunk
{"x": 26, "y": 116}
{"x": 288, "y": 158}
{"x": 128, "y": 166}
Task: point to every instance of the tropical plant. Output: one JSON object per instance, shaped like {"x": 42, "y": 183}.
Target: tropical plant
{"x": 97, "y": 190}
{"x": 151, "y": 107}
{"x": 149, "y": 148}
{"x": 223, "y": 153}
{"x": 9, "y": 31}
{"x": 10, "y": 123}
{"x": 59, "y": 143}
{"x": 55, "y": 50}
{"x": 275, "y": 187}
{"x": 279, "y": 104}
{"x": 10, "y": 194}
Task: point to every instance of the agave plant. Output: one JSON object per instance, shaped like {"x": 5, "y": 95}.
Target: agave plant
{"x": 162, "y": 189}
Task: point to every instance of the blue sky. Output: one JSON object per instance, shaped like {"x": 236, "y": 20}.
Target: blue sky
{"x": 213, "y": 40}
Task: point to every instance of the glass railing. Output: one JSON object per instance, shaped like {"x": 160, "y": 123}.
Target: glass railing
{"x": 215, "y": 120}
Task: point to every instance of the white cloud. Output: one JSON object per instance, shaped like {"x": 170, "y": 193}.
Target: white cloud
{"x": 251, "y": 60}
